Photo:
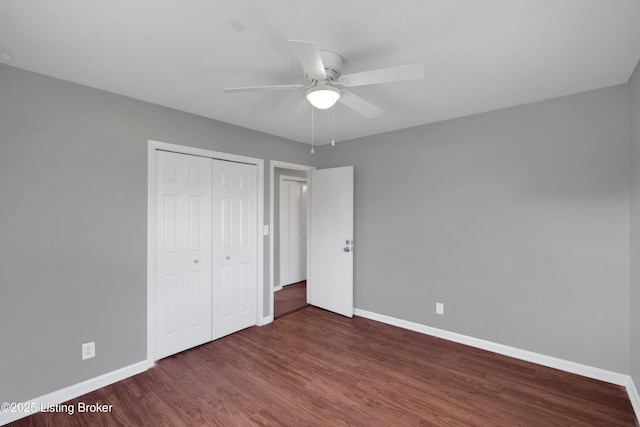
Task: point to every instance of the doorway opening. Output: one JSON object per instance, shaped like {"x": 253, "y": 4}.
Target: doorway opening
{"x": 290, "y": 228}
{"x": 288, "y": 243}
{"x": 330, "y": 241}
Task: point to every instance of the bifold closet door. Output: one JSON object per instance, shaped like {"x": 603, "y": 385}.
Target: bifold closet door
{"x": 183, "y": 273}
{"x": 234, "y": 246}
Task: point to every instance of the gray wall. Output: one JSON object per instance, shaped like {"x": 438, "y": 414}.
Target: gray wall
{"x": 278, "y": 172}
{"x": 517, "y": 220}
{"x": 634, "y": 120}
{"x": 73, "y": 186}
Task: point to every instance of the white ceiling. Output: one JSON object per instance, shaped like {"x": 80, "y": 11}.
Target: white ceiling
{"x": 478, "y": 55}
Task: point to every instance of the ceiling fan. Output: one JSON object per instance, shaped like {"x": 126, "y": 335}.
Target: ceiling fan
{"x": 323, "y": 70}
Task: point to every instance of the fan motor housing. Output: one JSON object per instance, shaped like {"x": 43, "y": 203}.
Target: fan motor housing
{"x": 332, "y": 64}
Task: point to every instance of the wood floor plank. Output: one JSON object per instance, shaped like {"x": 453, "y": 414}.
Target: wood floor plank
{"x": 315, "y": 368}
{"x": 289, "y": 299}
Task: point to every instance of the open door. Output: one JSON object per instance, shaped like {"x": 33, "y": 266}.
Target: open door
{"x": 330, "y": 261}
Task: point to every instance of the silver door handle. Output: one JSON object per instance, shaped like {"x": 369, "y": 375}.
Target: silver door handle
{"x": 195, "y": 261}
{"x": 347, "y": 249}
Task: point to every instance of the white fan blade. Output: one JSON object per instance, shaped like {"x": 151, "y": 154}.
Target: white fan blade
{"x": 261, "y": 88}
{"x": 359, "y": 105}
{"x": 309, "y": 56}
{"x": 383, "y": 75}
{"x": 301, "y": 108}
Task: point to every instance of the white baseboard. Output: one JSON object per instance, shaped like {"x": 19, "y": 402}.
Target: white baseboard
{"x": 529, "y": 356}
{"x": 632, "y": 391}
{"x": 59, "y": 396}
{"x": 265, "y": 320}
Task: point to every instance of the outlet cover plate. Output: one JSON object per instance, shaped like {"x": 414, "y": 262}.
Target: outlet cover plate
{"x": 439, "y": 308}
{"x": 88, "y": 350}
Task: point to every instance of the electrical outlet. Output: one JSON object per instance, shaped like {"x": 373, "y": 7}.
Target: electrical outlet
{"x": 88, "y": 350}
{"x": 439, "y": 308}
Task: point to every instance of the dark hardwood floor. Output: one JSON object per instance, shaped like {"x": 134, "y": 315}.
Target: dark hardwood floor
{"x": 289, "y": 299}
{"x": 315, "y": 368}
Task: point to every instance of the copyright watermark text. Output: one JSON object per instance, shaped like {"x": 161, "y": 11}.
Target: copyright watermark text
{"x": 68, "y": 408}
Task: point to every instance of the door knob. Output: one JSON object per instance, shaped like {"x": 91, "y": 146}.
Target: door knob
{"x": 195, "y": 261}
{"x": 347, "y": 249}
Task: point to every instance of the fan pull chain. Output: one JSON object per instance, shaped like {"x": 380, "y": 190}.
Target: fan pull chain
{"x": 312, "y": 150}
{"x": 333, "y": 133}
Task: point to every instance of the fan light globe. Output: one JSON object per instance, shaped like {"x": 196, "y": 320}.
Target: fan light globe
{"x": 323, "y": 98}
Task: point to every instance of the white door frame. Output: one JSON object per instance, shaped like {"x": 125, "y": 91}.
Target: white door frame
{"x": 273, "y": 164}
{"x": 151, "y": 230}
{"x": 277, "y": 287}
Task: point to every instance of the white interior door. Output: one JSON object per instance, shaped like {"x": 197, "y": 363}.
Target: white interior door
{"x": 183, "y": 290}
{"x": 293, "y": 231}
{"x": 330, "y": 269}
{"x": 234, "y": 246}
